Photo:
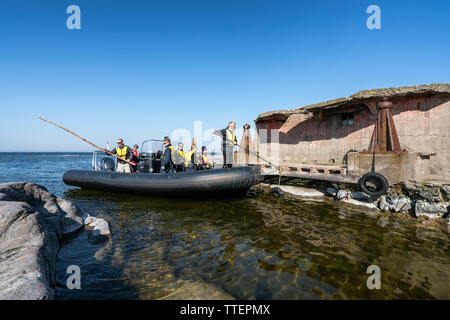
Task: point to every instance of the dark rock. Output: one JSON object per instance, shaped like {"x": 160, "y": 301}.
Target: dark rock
{"x": 331, "y": 191}
{"x": 431, "y": 210}
{"x": 254, "y": 192}
{"x": 411, "y": 189}
{"x": 359, "y": 196}
{"x": 431, "y": 194}
{"x": 445, "y": 189}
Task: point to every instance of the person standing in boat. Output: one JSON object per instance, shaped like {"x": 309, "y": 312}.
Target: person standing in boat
{"x": 124, "y": 152}
{"x": 167, "y": 156}
{"x": 228, "y": 142}
{"x": 135, "y": 158}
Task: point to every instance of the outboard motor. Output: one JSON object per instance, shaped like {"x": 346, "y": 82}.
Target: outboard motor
{"x": 107, "y": 164}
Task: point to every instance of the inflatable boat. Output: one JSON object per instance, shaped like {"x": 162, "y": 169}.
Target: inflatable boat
{"x": 223, "y": 182}
{"x": 217, "y": 182}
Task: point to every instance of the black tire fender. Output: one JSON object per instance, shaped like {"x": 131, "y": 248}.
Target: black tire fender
{"x": 378, "y": 184}
{"x": 276, "y": 192}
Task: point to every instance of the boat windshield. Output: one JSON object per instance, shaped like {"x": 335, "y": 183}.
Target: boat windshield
{"x": 152, "y": 146}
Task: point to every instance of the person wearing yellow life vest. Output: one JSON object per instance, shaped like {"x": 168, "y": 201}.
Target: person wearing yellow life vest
{"x": 190, "y": 157}
{"x": 204, "y": 163}
{"x": 124, "y": 152}
{"x": 179, "y": 158}
{"x": 167, "y": 156}
{"x": 228, "y": 142}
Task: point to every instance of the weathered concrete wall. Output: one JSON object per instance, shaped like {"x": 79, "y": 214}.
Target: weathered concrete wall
{"x": 422, "y": 124}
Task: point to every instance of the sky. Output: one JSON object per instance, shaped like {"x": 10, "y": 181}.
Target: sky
{"x": 143, "y": 69}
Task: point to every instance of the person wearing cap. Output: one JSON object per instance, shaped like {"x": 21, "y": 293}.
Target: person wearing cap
{"x": 124, "y": 153}
{"x": 167, "y": 156}
{"x": 228, "y": 142}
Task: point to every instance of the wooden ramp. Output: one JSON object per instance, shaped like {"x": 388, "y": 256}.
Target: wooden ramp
{"x": 332, "y": 173}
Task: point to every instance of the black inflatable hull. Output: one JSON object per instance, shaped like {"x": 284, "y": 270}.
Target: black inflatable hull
{"x": 218, "y": 182}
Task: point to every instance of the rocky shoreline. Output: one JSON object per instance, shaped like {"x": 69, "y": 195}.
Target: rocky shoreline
{"x": 33, "y": 224}
{"x": 418, "y": 199}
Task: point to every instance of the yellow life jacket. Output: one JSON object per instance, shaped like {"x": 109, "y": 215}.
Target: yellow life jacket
{"x": 205, "y": 160}
{"x": 181, "y": 153}
{"x": 172, "y": 150}
{"x": 188, "y": 158}
{"x": 122, "y": 152}
{"x": 231, "y": 136}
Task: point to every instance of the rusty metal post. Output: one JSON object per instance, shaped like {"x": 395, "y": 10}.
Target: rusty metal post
{"x": 245, "y": 143}
{"x": 384, "y": 137}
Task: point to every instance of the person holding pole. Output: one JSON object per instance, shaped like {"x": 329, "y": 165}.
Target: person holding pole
{"x": 228, "y": 142}
{"x": 125, "y": 154}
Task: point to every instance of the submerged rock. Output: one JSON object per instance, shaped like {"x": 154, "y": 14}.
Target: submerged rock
{"x": 331, "y": 191}
{"x": 32, "y": 223}
{"x": 198, "y": 290}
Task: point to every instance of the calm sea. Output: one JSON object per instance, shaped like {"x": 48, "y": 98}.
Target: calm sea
{"x": 251, "y": 248}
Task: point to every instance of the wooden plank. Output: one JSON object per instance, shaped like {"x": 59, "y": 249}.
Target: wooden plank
{"x": 314, "y": 176}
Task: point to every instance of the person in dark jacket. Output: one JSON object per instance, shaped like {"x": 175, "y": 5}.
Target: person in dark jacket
{"x": 124, "y": 152}
{"x": 228, "y": 142}
{"x": 167, "y": 156}
{"x": 135, "y": 158}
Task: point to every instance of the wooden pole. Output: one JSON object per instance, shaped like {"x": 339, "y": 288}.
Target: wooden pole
{"x": 92, "y": 144}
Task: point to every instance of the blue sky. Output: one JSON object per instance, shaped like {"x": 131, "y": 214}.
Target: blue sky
{"x": 141, "y": 69}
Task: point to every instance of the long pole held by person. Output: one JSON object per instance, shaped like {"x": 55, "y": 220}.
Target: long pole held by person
{"x": 92, "y": 144}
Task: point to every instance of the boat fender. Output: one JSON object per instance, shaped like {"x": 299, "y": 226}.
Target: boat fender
{"x": 373, "y": 184}
{"x": 276, "y": 192}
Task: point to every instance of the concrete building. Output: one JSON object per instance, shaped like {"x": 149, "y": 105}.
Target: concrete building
{"x": 412, "y": 140}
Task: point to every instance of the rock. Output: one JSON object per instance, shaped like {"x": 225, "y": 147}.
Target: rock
{"x": 254, "y": 192}
{"x": 360, "y": 203}
{"x": 32, "y": 224}
{"x": 394, "y": 203}
{"x": 431, "y": 210}
{"x": 72, "y": 216}
{"x": 300, "y": 191}
{"x": 342, "y": 194}
{"x": 359, "y": 195}
{"x": 445, "y": 189}
{"x": 431, "y": 195}
{"x": 401, "y": 204}
{"x": 99, "y": 229}
{"x": 27, "y": 254}
{"x": 198, "y": 290}
{"x": 331, "y": 191}
{"x": 382, "y": 204}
